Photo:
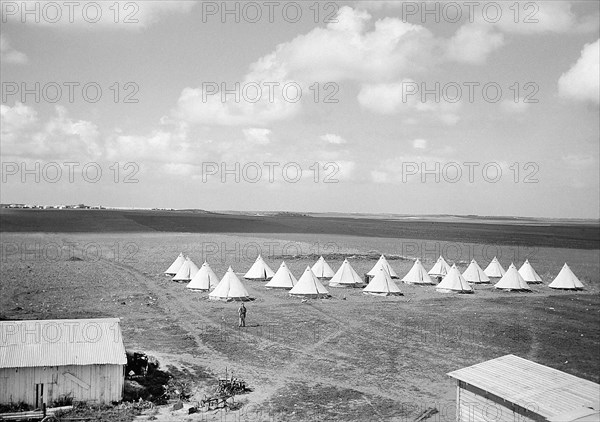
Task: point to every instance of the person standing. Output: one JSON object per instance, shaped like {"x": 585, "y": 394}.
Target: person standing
{"x": 242, "y": 314}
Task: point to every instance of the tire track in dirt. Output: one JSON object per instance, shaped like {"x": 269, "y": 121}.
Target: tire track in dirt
{"x": 217, "y": 362}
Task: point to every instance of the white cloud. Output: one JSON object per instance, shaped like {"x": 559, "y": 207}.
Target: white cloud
{"x": 383, "y": 98}
{"x": 473, "y": 43}
{"x": 9, "y": 54}
{"x": 60, "y": 137}
{"x": 198, "y": 106}
{"x": 542, "y": 17}
{"x": 16, "y": 118}
{"x": 94, "y": 15}
{"x": 347, "y": 51}
{"x": 333, "y": 139}
{"x": 380, "y": 176}
{"x": 579, "y": 161}
{"x": 344, "y": 170}
{"x": 580, "y": 82}
{"x": 405, "y": 97}
{"x": 158, "y": 146}
{"x": 180, "y": 169}
{"x": 257, "y": 135}
{"x": 419, "y": 144}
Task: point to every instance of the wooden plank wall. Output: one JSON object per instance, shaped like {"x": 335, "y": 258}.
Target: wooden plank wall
{"x": 105, "y": 383}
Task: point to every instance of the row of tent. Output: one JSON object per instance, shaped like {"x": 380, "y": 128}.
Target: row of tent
{"x": 380, "y": 281}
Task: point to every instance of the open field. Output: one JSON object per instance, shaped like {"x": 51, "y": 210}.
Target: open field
{"x": 576, "y": 234}
{"x": 352, "y": 357}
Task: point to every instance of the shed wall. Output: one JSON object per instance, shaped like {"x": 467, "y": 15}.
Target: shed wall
{"x": 477, "y": 406}
{"x": 100, "y": 383}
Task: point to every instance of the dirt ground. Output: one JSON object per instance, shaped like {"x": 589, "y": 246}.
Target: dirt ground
{"x": 351, "y": 357}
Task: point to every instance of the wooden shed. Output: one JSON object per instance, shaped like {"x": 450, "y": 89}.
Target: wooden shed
{"x": 42, "y": 361}
{"x": 510, "y": 388}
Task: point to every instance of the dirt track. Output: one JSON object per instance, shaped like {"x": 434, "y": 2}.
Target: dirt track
{"x": 322, "y": 360}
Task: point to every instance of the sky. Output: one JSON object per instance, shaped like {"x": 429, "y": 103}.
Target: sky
{"x": 487, "y": 108}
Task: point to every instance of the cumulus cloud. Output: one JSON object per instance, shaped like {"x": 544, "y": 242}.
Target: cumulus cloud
{"x": 203, "y": 106}
{"x": 8, "y": 54}
{"x": 346, "y": 50}
{"x": 384, "y": 98}
{"x": 404, "y": 97}
{"x": 473, "y": 43}
{"x": 159, "y": 146}
{"x": 543, "y": 17}
{"x": 59, "y": 137}
{"x": 580, "y": 82}
{"x": 257, "y": 135}
{"x": 344, "y": 171}
{"x": 16, "y": 118}
{"x": 419, "y": 144}
{"x": 579, "y": 161}
{"x": 333, "y": 139}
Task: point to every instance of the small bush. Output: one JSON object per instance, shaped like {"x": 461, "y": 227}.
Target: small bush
{"x": 15, "y": 407}
{"x": 65, "y": 400}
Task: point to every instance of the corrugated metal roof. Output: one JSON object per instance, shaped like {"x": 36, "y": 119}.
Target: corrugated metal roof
{"x": 61, "y": 342}
{"x": 546, "y": 391}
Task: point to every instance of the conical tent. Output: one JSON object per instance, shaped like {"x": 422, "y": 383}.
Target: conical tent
{"x": 382, "y": 263}
{"x": 494, "y": 269}
{"x": 382, "y": 285}
{"x": 512, "y": 280}
{"x": 474, "y": 273}
{"x": 205, "y": 279}
{"x": 283, "y": 278}
{"x": 566, "y": 279}
{"x": 322, "y": 269}
{"x": 440, "y": 269}
{"x": 176, "y": 265}
{"x": 309, "y": 286}
{"x": 454, "y": 282}
{"x": 259, "y": 270}
{"x": 417, "y": 275}
{"x": 346, "y": 277}
{"x": 528, "y": 273}
{"x": 229, "y": 288}
{"x": 187, "y": 271}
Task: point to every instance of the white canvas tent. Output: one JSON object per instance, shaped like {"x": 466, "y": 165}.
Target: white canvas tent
{"x": 205, "y": 279}
{"x": 440, "y": 268}
{"x": 417, "y": 275}
{"x": 382, "y": 263}
{"x": 382, "y": 285}
{"x": 322, "y": 269}
{"x": 309, "y": 286}
{"x": 176, "y": 265}
{"x": 346, "y": 277}
{"x": 512, "y": 281}
{"x": 474, "y": 273}
{"x": 494, "y": 269}
{"x": 229, "y": 288}
{"x": 566, "y": 279}
{"x": 187, "y": 271}
{"x": 259, "y": 271}
{"x": 454, "y": 282}
{"x": 283, "y": 278}
{"x": 528, "y": 273}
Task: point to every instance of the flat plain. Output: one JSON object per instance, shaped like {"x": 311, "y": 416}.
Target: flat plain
{"x": 351, "y": 357}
